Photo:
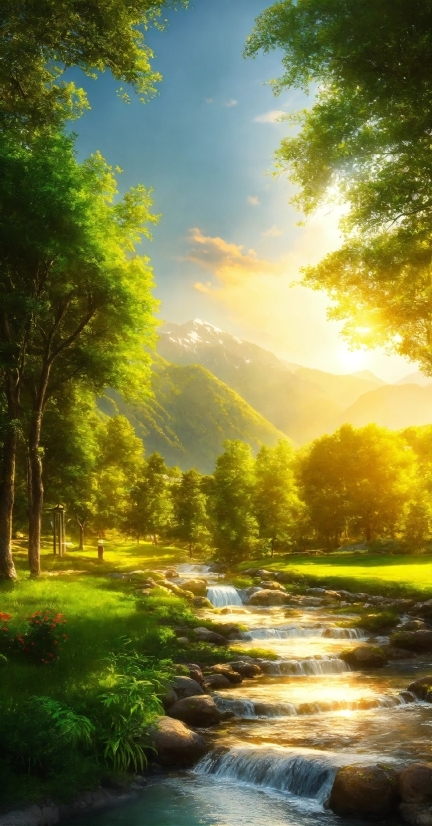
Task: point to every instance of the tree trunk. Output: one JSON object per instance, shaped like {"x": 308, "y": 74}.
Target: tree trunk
{"x": 272, "y": 547}
{"x": 81, "y": 534}
{"x": 7, "y": 490}
{"x": 190, "y": 550}
{"x": 36, "y": 492}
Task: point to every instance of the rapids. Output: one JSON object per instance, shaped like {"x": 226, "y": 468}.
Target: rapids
{"x": 309, "y": 714}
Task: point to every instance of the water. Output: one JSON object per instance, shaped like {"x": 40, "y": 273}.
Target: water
{"x": 223, "y": 595}
{"x": 307, "y": 715}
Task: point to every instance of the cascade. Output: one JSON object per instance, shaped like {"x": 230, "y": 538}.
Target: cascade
{"x": 222, "y": 595}
{"x": 285, "y": 632}
{"x": 304, "y": 668}
{"x": 273, "y": 768}
{"x": 245, "y": 709}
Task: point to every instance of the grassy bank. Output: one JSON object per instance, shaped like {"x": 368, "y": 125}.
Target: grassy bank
{"x": 372, "y": 573}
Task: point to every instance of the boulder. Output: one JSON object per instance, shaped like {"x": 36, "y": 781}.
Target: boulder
{"x": 175, "y": 743}
{"x": 422, "y": 689}
{"x": 364, "y": 791}
{"x": 214, "y": 682}
{"x": 183, "y": 640}
{"x": 415, "y": 783}
{"x": 420, "y": 641}
{"x": 204, "y": 635}
{"x": 169, "y": 698}
{"x": 417, "y": 814}
{"x": 365, "y": 656}
{"x": 414, "y": 625}
{"x": 424, "y": 608}
{"x": 228, "y": 672}
{"x": 197, "y": 586}
{"x": 171, "y": 573}
{"x": 201, "y": 602}
{"x": 393, "y": 653}
{"x": 268, "y": 597}
{"x": 271, "y": 585}
{"x": 286, "y": 576}
{"x": 177, "y": 591}
{"x": 195, "y": 673}
{"x": 196, "y": 711}
{"x": 246, "y": 669}
{"x": 228, "y": 629}
{"x": 186, "y": 687}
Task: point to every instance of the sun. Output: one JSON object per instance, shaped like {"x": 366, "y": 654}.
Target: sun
{"x": 349, "y": 361}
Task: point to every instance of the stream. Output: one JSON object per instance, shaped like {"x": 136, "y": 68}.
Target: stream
{"x": 308, "y": 715}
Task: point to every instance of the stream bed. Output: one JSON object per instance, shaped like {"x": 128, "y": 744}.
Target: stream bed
{"x": 294, "y": 727}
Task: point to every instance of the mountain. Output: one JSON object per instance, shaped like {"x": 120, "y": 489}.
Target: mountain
{"x": 301, "y": 402}
{"x": 416, "y": 378}
{"x": 393, "y": 406}
{"x": 190, "y": 416}
{"x": 369, "y": 376}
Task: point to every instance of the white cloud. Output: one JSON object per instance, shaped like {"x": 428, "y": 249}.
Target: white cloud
{"x": 230, "y": 103}
{"x": 253, "y": 200}
{"x": 273, "y": 232}
{"x": 208, "y": 100}
{"x": 270, "y": 117}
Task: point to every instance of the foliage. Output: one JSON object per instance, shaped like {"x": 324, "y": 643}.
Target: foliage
{"x": 118, "y": 465}
{"x": 378, "y": 621}
{"x": 42, "y": 642}
{"x": 150, "y": 509}
{"x": 365, "y": 141}
{"x": 276, "y": 501}
{"x": 190, "y": 510}
{"x": 234, "y": 526}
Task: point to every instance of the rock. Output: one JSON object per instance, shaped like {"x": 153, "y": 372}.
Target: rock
{"x": 424, "y": 608}
{"x": 175, "y": 744}
{"x": 201, "y": 602}
{"x": 183, "y": 640}
{"x": 169, "y": 698}
{"x": 177, "y": 591}
{"x": 204, "y": 635}
{"x": 420, "y": 641}
{"x": 268, "y": 598}
{"x": 271, "y": 585}
{"x": 214, "y": 682}
{"x": 196, "y": 711}
{"x": 246, "y": 669}
{"x": 227, "y": 671}
{"x": 197, "y": 586}
{"x": 228, "y": 629}
{"x": 286, "y": 576}
{"x": 415, "y": 783}
{"x": 417, "y": 814}
{"x": 263, "y": 574}
{"x": 414, "y": 625}
{"x": 186, "y": 687}
{"x": 393, "y": 653}
{"x": 171, "y": 573}
{"x": 365, "y": 656}
{"x": 422, "y": 689}
{"x": 195, "y": 673}
{"x": 364, "y": 791}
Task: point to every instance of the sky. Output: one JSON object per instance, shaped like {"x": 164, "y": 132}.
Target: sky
{"x": 228, "y": 248}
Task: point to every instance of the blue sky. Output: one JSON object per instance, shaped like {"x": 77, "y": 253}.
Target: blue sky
{"x": 228, "y": 246}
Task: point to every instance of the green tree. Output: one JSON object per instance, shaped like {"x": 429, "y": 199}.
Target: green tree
{"x": 356, "y": 480}
{"x": 40, "y": 41}
{"x": 151, "y": 504}
{"x": 276, "y": 501}
{"x": 190, "y": 510}
{"x": 76, "y": 302}
{"x": 365, "y": 141}
{"x": 234, "y": 526}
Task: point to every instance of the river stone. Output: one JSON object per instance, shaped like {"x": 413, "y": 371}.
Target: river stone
{"x": 422, "y": 688}
{"x": 424, "y": 608}
{"x": 393, "y": 653}
{"x": 415, "y": 783}
{"x": 271, "y": 585}
{"x": 175, "y": 743}
{"x": 228, "y": 629}
{"x": 177, "y": 591}
{"x": 364, "y": 791}
{"x": 169, "y": 698}
{"x": 227, "y": 671}
{"x": 197, "y": 586}
{"x": 195, "y": 673}
{"x": 420, "y": 641}
{"x": 414, "y": 625}
{"x": 286, "y": 576}
{"x": 186, "y": 687}
{"x": 201, "y": 602}
{"x": 204, "y": 635}
{"x": 214, "y": 682}
{"x": 268, "y": 597}
{"x": 365, "y": 656}
{"x": 196, "y": 711}
{"x": 246, "y": 669}
{"x": 417, "y": 814}
{"x": 171, "y": 573}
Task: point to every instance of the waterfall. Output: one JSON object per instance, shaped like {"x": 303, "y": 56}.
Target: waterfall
{"x": 273, "y": 768}
{"x": 304, "y": 668}
{"x": 253, "y": 709}
{"x": 343, "y": 633}
{"x": 221, "y": 595}
{"x": 190, "y": 568}
{"x": 286, "y": 631}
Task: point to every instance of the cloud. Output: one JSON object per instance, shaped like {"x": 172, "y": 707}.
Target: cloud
{"x": 230, "y": 103}
{"x": 270, "y": 117}
{"x": 208, "y": 100}
{"x": 253, "y": 200}
{"x": 273, "y": 232}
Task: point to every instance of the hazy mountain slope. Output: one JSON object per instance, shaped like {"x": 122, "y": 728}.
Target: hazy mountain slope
{"x": 416, "y": 378}
{"x": 393, "y": 406}
{"x": 190, "y": 417}
{"x": 341, "y": 389}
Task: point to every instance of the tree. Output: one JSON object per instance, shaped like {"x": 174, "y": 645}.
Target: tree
{"x": 40, "y": 41}
{"x": 365, "y": 141}
{"x": 76, "y": 302}
{"x": 234, "y": 525}
{"x": 276, "y": 501}
{"x": 190, "y": 510}
{"x": 356, "y": 480}
{"x": 151, "y": 504}
{"x": 119, "y": 465}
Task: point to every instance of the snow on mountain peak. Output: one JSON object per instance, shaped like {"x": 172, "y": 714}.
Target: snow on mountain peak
{"x": 199, "y": 322}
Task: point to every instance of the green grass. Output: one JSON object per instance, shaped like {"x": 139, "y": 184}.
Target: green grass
{"x": 373, "y": 573}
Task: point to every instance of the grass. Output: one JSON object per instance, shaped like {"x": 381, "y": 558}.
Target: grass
{"x": 372, "y": 573}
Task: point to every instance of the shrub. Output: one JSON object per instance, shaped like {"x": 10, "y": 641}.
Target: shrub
{"x": 42, "y": 641}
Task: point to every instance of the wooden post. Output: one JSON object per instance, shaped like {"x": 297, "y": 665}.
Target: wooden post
{"x": 54, "y": 525}
{"x": 59, "y": 536}
{"x": 100, "y": 550}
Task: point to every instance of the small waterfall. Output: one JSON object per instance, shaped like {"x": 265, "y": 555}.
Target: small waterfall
{"x": 190, "y": 568}
{"x": 304, "y": 668}
{"x": 221, "y": 595}
{"x": 253, "y": 710}
{"x": 273, "y": 768}
{"x": 284, "y": 632}
{"x": 343, "y": 633}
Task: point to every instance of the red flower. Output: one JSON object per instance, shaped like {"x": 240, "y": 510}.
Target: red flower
{"x": 4, "y": 616}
